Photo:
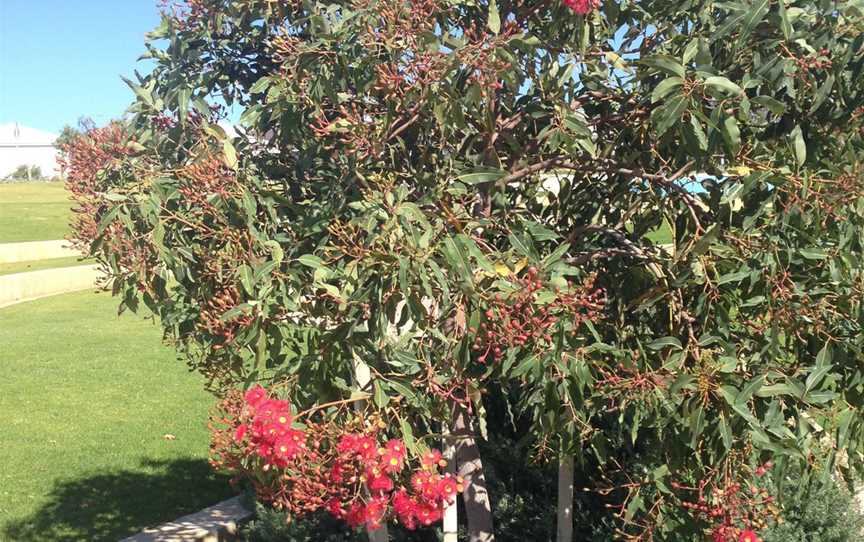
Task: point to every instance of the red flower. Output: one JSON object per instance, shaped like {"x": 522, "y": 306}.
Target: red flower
{"x": 290, "y": 445}
{"x": 356, "y": 515}
{"x": 374, "y": 513}
{"x": 582, "y": 7}
{"x": 337, "y": 472}
{"x": 395, "y": 447}
{"x": 271, "y": 431}
{"x": 427, "y": 514}
{"x": 377, "y": 481}
{"x": 431, "y": 491}
{"x": 348, "y": 443}
{"x": 335, "y": 507}
{"x": 391, "y": 462}
{"x": 447, "y": 488}
{"x": 264, "y": 450}
{"x": 240, "y": 432}
{"x": 431, "y": 458}
{"x": 366, "y": 448}
{"x": 406, "y": 509}
{"x": 255, "y": 396}
{"x": 748, "y": 536}
{"x": 420, "y": 480}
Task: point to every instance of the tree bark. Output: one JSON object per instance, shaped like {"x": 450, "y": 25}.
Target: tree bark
{"x": 451, "y": 518}
{"x": 363, "y": 377}
{"x": 565, "y": 499}
{"x": 478, "y": 509}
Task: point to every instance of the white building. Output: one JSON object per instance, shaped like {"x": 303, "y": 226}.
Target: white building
{"x": 23, "y": 146}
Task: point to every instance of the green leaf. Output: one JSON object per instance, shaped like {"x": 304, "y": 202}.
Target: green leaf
{"x": 494, "y": 20}
{"x": 311, "y": 260}
{"x": 749, "y": 389}
{"x": 772, "y": 390}
{"x": 230, "y": 153}
{"x": 481, "y": 177}
{"x": 245, "y": 273}
{"x": 813, "y": 253}
{"x": 772, "y": 104}
{"x": 665, "y": 63}
{"x": 823, "y": 358}
{"x": 261, "y": 85}
{"x": 183, "y": 102}
{"x": 665, "y": 87}
{"x": 522, "y": 246}
{"x": 107, "y": 219}
{"x": 525, "y": 366}
{"x": 785, "y": 25}
{"x": 670, "y": 113}
{"x": 754, "y": 16}
{"x": 472, "y": 249}
{"x": 408, "y": 436}
{"x": 822, "y": 93}
{"x": 690, "y": 51}
{"x": 798, "y": 145}
{"x": 815, "y": 376}
{"x": 145, "y": 95}
{"x": 697, "y": 425}
{"x": 665, "y": 342}
{"x": 725, "y": 431}
{"x": 381, "y": 399}
{"x": 633, "y": 506}
{"x": 723, "y": 85}
{"x": 737, "y": 276}
{"x": 275, "y": 249}
{"x": 458, "y": 261}
{"x": 732, "y": 134}
{"x": 695, "y": 128}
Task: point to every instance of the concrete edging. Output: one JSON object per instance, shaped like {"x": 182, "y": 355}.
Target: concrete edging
{"x": 36, "y": 250}
{"x": 30, "y": 285}
{"x": 213, "y": 524}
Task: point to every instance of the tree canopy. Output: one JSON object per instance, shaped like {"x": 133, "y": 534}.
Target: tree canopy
{"x": 640, "y": 223}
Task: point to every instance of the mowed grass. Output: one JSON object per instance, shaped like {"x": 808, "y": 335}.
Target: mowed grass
{"x": 36, "y": 211}
{"x": 103, "y": 429}
{"x": 37, "y": 265}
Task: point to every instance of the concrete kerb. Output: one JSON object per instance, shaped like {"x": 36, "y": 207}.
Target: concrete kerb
{"x": 213, "y": 524}
{"x": 20, "y": 287}
{"x": 36, "y": 250}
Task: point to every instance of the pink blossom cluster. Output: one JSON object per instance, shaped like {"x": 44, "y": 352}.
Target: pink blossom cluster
{"x": 270, "y": 432}
{"x": 582, "y": 7}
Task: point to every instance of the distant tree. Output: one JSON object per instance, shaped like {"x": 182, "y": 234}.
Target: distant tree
{"x": 25, "y": 173}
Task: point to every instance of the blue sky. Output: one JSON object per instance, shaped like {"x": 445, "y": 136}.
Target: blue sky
{"x": 61, "y": 59}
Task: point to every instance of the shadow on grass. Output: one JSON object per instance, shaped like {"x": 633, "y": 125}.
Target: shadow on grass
{"x": 112, "y": 505}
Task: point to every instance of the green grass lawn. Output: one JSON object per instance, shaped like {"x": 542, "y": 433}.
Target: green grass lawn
{"x": 36, "y": 265}
{"x": 86, "y": 402}
{"x": 37, "y": 211}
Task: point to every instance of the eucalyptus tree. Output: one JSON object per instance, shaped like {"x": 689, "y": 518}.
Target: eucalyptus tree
{"x": 640, "y": 220}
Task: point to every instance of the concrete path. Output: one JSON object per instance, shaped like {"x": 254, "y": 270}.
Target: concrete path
{"x": 36, "y": 250}
{"x": 20, "y": 287}
{"x": 214, "y": 524}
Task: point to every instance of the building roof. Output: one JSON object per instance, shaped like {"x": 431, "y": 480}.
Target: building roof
{"x": 13, "y": 134}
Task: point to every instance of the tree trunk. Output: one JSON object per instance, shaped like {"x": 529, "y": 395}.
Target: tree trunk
{"x": 565, "y": 499}
{"x": 363, "y": 376}
{"x": 378, "y": 535}
{"x": 451, "y": 518}
{"x": 478, "y": 509}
